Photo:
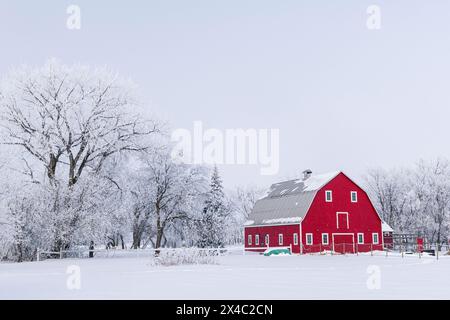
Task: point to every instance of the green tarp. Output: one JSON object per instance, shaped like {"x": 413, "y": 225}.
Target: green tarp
{"x": 270, "y": 252}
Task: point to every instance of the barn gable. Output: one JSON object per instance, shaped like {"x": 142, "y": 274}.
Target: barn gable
{"x": 288, "y": 201}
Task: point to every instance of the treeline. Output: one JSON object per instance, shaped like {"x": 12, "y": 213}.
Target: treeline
{"x": 81, "y": 164}
{"x": 414, "y": 200}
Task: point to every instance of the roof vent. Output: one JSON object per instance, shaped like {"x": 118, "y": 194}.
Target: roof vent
{"x": 306, "y": 174}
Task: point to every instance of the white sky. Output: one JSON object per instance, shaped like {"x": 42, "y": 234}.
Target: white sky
{"x": 344, "y": 97}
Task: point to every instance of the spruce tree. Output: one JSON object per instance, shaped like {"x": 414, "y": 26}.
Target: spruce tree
{"x": 211, "y": 226}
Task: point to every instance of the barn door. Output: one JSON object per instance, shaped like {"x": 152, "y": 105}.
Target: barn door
{"x": 343, "y": 243}
{"x": 342, "y": 220}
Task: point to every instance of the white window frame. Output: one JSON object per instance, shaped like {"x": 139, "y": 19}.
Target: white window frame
{"x": 280, "y": 239}
{"x": 309, "y": 243}
{"x": 356, "y": 196}
{"x": 337, "y": 220}
{"x": 328, "y": 192}
{"x": 257, "y": 240}
{"x": 373, "y": 238}
{"x": 357, "y": 237}
{"x": 328, "y": 238}
{"x": 267, "y": 240}
{"x": 295, "y": 236}
{"x": 249, "y": 239}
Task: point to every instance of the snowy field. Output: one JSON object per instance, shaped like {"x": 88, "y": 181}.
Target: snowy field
{"x": 236, "y": 277}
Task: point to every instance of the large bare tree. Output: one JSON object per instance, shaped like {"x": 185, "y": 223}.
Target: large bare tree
{"x": 164, "y": 193}
{"x": 73, "y": 116}
{"x": 65, "y": 123}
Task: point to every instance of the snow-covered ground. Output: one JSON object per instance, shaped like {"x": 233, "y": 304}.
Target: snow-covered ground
{"x": 236, "y": 277}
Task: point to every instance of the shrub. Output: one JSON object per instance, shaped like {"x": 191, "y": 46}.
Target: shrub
{"x": 185, "y": 256}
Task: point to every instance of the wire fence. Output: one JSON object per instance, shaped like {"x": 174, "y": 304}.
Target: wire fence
{"x": 395, "y": 250}
{"x": 83, "y": 253}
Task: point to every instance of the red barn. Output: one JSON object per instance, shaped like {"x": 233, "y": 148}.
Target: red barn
{"x": 327, "y": 212}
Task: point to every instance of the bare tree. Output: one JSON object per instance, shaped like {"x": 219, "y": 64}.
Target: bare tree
{"x": 436, "y": 197}
{"x": 243, "y": 200}
{"x": 246, "y": 198}
{"x": 67, "y": 121}
{"x": 166, "y": 192}
{"x": 415, "y": 200}
{"x": 72, "y": 116}
{"x": 387, "y": 190}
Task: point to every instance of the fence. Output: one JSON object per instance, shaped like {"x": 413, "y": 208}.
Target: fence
{"x": 403, "y": 251}
{"x": 82, "y": 253}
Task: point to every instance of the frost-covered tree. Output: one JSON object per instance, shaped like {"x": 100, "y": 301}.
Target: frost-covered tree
{"x": 415, "y": 200}
{"x": 70, "y": 118}
{"x": 64, "y": 128}
{"x": 243, "y": 200}
{"x": 211, "y": 225}
{"x": 388, "y": 190}
{"x": 434, "y": 178}
{"x": 166, "y": 193}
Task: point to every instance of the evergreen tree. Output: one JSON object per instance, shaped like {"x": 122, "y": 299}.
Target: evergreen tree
{"x": 211, "y": 225}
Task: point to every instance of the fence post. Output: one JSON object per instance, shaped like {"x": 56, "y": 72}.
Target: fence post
{"x": 320, "y": 248}
{"x": 437, "y": 252}
{"x": 38, "y": 254}
{"x": 371, "y": 249}
{"x": 387, "y": 252}
{"x": 356, "y": 249}
{"x": 401, "y": 249}
{"x": 60, "y": 253}
{"x": 290, "y": 247}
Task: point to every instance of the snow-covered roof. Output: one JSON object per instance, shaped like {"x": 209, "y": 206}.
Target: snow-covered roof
{"x": 295, "y": 186}
{"x": 385, "y": 227}
{"x": 288, "y": 201}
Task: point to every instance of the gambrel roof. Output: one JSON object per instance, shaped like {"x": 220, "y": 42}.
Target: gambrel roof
{"x": 288, "y": 201}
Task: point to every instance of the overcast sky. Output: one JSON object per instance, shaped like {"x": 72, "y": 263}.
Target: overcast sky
{"x": 343, "y": 97}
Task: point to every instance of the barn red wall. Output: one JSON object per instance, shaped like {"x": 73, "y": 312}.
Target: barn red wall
{"x": 321, "y": 217}
{"x": 273, "y": 231}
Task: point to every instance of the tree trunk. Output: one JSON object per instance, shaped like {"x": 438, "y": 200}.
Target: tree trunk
{"x": 51, "y": 170}
{"x": 121, "y": 240}
{"x": 159, "y": 236}
{"x": 136, "y": 240}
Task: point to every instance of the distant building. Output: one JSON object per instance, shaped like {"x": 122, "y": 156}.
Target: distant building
{"x": 388, "y": 235}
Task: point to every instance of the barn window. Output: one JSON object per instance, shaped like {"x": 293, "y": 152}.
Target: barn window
{"x": 267, "y": 240}
{"x": 249, "y": 239}
{"x": 309, "y": 238}
{"x": 328, "y": 196}
{"x": 354, "y": 196}
{"x": 295, "y": 238}
{"x": 375, "y": 238}
{"x": 257, "y": 239}
{"x": 325, "y": 238}
{"x": 360, "y": 238}
{"x": 280, "y": 239}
